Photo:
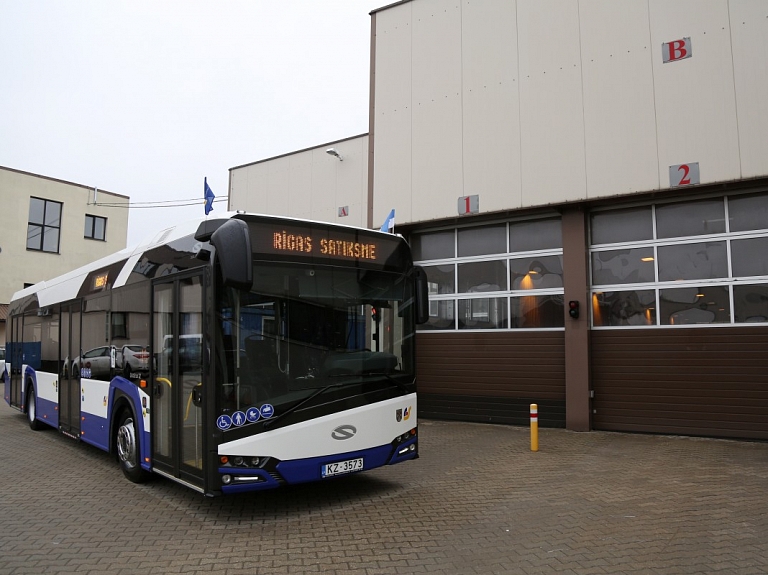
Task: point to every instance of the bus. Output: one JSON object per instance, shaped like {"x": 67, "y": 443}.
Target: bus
{"x": 232, "y": 354}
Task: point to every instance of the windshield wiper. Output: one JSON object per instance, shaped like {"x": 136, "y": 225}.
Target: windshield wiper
{"x": 314, "y": 394}
{"x": 296, "y": 406}
{"x": 399, "y": 385}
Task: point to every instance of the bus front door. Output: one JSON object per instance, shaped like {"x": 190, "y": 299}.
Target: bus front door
{"x": 177, "y": 421}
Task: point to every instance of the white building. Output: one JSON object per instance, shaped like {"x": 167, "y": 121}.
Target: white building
{"x": 50, "y": 227}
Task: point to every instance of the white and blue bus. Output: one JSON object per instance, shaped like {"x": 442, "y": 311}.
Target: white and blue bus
{"x": 232, "y": 354}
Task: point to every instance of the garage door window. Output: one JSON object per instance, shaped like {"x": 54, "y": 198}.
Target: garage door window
{"x": 691, "y": 271}
{"x": 500, "y": 276}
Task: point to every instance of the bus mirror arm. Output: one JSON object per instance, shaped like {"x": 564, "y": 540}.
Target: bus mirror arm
{"x": 232, "y": 241}
{"x": 421, "y": 291}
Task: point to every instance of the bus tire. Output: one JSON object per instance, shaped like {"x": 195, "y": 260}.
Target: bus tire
{"x": 128, "y": 449}
{"x": 34, "y": 424}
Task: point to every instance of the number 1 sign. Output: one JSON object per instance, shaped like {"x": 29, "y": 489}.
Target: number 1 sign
{"x": 468, "y": 205}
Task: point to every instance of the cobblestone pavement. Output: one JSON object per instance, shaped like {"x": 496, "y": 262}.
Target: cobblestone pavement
{"x": 478, "y": 501}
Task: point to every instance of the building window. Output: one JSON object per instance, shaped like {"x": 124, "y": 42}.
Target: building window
{"x": 95, "y": 227}
{"x": 702, "y": 262}
{"x": 492, "y": 277}
{"x": 44, "y": 227}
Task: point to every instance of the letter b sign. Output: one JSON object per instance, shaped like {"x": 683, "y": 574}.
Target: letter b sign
{"x": 676, "y": 50}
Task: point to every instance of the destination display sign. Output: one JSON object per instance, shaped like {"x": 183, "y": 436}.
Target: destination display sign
{"x": 100, "y": 281}
{"x": 318, "y": 243}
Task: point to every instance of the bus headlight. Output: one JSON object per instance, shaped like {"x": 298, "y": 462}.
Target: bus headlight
{"x": 226, "y": 479}
{"x": 243, "y": 461}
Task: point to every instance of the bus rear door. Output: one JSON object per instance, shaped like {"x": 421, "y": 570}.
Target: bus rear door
{"x": 69, "y": 371}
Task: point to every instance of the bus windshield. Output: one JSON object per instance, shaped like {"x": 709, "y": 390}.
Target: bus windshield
{"x": 303, "y": 328}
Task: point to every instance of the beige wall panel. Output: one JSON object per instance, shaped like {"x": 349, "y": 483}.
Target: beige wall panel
{"x": 300, "y": 187}
{"x": 238, "y": 184}
{"x": 276, "y": 186}
{"x": 392, "y": 114}
{"x": 619, "y": 108}
{"x": 392, "y": 167}
{"x": 491, "y": 104}
{"x": 352, "y": 182}
{"x": 437, "y": 113}
{"x": 695, "y": 102}
{"x": 256, "y": 183}
{"x": 323, "y": 186}
{"x": 551, "y": 106}
{"x": 749, "y": 37}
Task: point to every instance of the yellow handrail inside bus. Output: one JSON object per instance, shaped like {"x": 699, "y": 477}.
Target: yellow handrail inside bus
{"x": 191, "y": 394}
{"x": 189, "y": 401}
{"x": 164, "y": 380}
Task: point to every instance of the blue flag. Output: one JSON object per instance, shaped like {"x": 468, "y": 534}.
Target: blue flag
{"x": 208, "y": 195}
{"x": 389, "y": 223}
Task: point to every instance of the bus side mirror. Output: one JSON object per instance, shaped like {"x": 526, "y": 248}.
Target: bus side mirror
{"x": 233, "y": 250}
{"x": 422, "y": 295}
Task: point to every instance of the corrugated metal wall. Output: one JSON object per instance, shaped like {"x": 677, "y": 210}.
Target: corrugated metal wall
{"x": 711, "y": 382}
{"x": 492, "y": 377}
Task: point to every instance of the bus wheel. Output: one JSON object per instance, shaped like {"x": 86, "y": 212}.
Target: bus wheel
{"x": 128, "y": 452}
{"x": 34, "y": 424}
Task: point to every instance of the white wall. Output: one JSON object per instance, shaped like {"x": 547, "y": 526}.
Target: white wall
{"x": 309, "y": 184}
{"x": 529, "y": 103}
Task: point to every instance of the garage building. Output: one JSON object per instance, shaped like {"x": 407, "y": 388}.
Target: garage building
{"x": 586, "y": 184}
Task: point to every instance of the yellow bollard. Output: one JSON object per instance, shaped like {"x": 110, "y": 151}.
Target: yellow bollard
{"x": 534, "y": 427}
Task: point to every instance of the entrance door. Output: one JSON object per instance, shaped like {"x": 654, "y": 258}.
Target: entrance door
{"x": 177, "y": 422}
{"x": 14, "y": 361}
{"x": 69, "y": 370}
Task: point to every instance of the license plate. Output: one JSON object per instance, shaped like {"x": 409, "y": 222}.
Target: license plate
{"x": 341, "y": 467}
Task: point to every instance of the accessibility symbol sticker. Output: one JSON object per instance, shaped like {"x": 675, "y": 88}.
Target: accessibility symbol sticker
{"x": 224, "y": 422}
{"x": 267, "y": 411}
{"x": 238, "y": 418}
{"x": 252, "y": 414}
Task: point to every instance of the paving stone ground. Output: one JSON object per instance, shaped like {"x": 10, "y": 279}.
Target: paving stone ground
{"x": 477, "y": 501}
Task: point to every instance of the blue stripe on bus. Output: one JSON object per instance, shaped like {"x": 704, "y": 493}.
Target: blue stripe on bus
{"x": 406, "y": 456}
{"x": 305, "y": 470}
{"x": 267, "y": 481}
{"x": 47, "y": 412}
{"x": 94, "y": 430}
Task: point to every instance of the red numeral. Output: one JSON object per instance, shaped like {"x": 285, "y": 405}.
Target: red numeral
{"x": 685, "y": 180}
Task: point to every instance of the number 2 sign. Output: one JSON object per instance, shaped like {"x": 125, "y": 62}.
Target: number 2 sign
{"x": 684, "y": 175}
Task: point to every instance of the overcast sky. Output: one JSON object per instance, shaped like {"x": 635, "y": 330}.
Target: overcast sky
{"x": 145, "y": 98}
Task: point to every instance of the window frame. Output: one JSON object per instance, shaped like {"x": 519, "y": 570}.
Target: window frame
{"x": 92, "y": 235}
{"x": 44, "y": 226}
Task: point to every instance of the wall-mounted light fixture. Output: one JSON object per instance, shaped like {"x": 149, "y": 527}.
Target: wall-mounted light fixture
{"x": 334, "y": 153}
